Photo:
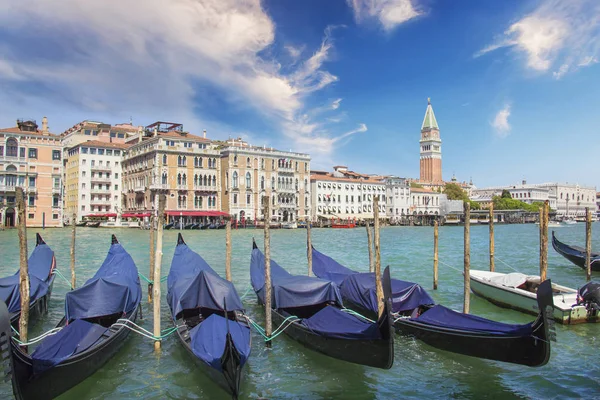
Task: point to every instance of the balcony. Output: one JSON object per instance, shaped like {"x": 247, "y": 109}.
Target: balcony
{"x": 101, "y": 168}
{"x": 286, "y": 170}
{"x": 56, "y": 190}
{"x": 159, "y": 186}
{"x": 100, "y": 179}
{"x": 206, "y": 188}
{"x": 139, "y": 189}
{"x": 12, "y": 188}
{"x": 100, "y": 202}
{"x": 288, "y": 205}
{"x": 287, "y": 190}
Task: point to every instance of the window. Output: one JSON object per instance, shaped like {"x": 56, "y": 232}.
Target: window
{"x": 32, "y": 181}
{"x": 116, "y": 175}
{"x": 93, "y": 150}
{"x": 248, "y": 199}
{"x": 1, "y": 150}
{"x": 22, "y": 152}
{"x": 108, "y": 152}
{"x": 164, "y": 159}
{"x": 262, "y": 163}
{"x": 121, "y": 135}
{"x": 30, "y": 216}
{"x": 101, "y": 152}
{"x": 273, "y": 164}
{"x": 32, "y": 153}
{"x": 117, "y": 152}
{"x": 116, "y": 187}
{"x": 84, "y": 150}
{"x": 87, "y": 132}
{"x": 55, "y": 201}
{"x": 82, "y": 208}
{"x": 262, "y": 183}
{"x": 248, "y": 180}
{"x": 12, "y": 147}
{"x": 248, "y": 165}
{"x": 54, "y": 216}
{"x": 235, "y": 198}
{"x": 56, "y": 182}
{"x": 234, "y": 160}
{"x": 235, "y": 180}
{"x": 31, "y": 201}
{"x": 273, "y": 183}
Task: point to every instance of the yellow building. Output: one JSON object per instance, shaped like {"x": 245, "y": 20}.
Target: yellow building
{"x": 32, "y": 159}
{"x": 251, "y": 172}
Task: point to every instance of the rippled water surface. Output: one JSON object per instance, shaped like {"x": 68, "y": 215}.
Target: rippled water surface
{"x": 289, "y": 371}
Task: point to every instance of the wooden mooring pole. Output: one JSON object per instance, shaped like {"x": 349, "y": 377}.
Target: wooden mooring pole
{"x": 73, "y": 234}
{"x": 378, "y": 284}
{"x": 467, "y": 260}
{"x": 24, "y": 266}
{"x": 152, "y": 258}
{"x": 228, "y": 250}
{"x": 435, "y": 254}
{"x": 492, "y": 263}
{"x": 268, "y": 321}
{"x": 588, "y": 244}
{"x": 544, "y": 242}
{"x": 157, "y": 265}
{"x": 370, "y": 243}
{"x": 309, "y": 248}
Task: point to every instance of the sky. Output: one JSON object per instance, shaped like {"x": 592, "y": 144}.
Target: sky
{"x": 514, "y": 84}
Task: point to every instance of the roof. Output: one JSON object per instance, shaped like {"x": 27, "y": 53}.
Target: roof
{"x": 328, "y": 177}
{"x": 429, "y": 122}
{"x": 98, "y": 143}
{"x": 422, "y": 190}
{"x": 184, "y": 135}
{"x": 15, "y": 129}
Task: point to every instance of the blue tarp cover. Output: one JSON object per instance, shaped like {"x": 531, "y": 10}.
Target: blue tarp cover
{"x": 115, "y": 288}
{"x": 291, "y": 290}
{"x": 209, "y": 337}
{"x": 444, "y": 317}
{"x": 360, "y": 287}
{"x": 74, "y": 338}
{"x": 40, "y": 264}
{"x": 192, "y": 283}
{"x": 333, "y": 322}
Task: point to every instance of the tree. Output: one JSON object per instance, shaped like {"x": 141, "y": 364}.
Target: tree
{"x": 416, "y": 185}
{"x": 506, "y": 194}
{"x": 455, "y": 192}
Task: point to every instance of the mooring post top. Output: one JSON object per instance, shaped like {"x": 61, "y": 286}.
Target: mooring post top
{"x": 180, "y": 239}
{"x": 114, "y": 240}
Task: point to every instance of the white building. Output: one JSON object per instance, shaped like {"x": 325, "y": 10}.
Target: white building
{"x": 424, "y": 202}
{"x": 346, "y": 194}
{"x": 527, "y": 193}
{"x": 94, "y": 179}
{"x": 398, "y": 197}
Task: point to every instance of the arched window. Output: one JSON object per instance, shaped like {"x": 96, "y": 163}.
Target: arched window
{"x": 235, "y": 159}
{"x": 214, "y": 163}
{"x": 184, "y": 162}
{"x": 273, "y": 183}
{"x": 164, "y": 159}
{"x": 296, "y": 184}
{"x": 164, "y": 178}
{"x": 205, "y": 180}
{"x": 195, "y": 179}
{"x": 214, "y": 180}
{"x": 248, "y": 179}
{"x": 178, "y": 160}
{"x": 273, "y": 164}
{"x": 248, "y": 165}
{"x": 262, "y": 163}
{"x": 209, "y": 163}
{"x": 262, "y": 183}
{"x": 200, "y": 163}
{"x": 184, "y": 180}
{"x": 234, "y": 184}
{"x": 179, "y": 179}
{"x": 12, "y": 147}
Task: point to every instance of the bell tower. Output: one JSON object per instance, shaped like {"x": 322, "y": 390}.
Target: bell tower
{"x": 431, "y": 148}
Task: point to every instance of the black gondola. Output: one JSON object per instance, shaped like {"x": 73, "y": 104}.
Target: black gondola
{"x": 189, "y": 226}
{"x": 417, "y": 315}
{"x": 311, "y": 309}
{"x": 168, "y": 226}
{"x": 92, "y": 331}
{"x": 575, "y": 254}
{"x": 196, "y": 226}
{"x": 219, "y": 341}
{"x": 41, "y": 280}
{"x": 93, "y": 224}
{"x": 82, "y": 223}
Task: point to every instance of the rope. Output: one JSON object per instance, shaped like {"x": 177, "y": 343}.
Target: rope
{"x": 144, "y": 332}
{"x": 247, "y": 291}
{"x": 280, "y": 329}
{"x": 37, "y": 339}
{"x": 352, "y": 312}
{"x": 505, "y": 264}
{"x": 62, "y": 276}
{"x": 150, "y": 281}
{"x": 450, "y": 266}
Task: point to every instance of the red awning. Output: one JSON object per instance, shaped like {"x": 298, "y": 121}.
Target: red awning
{"x": 135, "y": 215}
{"x": 188, "y": 213}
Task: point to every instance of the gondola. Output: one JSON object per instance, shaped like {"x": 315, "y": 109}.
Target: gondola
{"x": 93, "y": 224}
{"x": 92, "y": 331}
{"x": 416, "y": 314}
{"x": 312, "y": 311}
{"x": 575, "y": 254}
{"x": 82, "y": 223}
{"x": 196, "y": 226}
{"x": 41, "y": 279}
{"x": 168, "y": 226}
{"x": 219, "y": 341}
{"x": 189, "y": 226}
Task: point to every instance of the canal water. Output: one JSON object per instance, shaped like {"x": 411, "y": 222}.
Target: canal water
{"x": 288, "y": 370}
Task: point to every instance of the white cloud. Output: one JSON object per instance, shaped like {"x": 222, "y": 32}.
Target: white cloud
{"x": 558, "y": 32}
{"x": 389, "y": 13}
{"x": 500, "y": 122}
{"x": 153, "y": 57}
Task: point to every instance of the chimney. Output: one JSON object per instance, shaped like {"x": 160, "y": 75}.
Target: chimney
{"x": 155, "y": 131}
{"x": 204, "y": 134}
{"x": 44, "y": 125}
{"x": 140, "y": 134}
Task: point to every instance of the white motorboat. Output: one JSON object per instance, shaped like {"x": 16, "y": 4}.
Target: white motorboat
{"x": 289, "y": 225}
{"x": 518, "y": 291}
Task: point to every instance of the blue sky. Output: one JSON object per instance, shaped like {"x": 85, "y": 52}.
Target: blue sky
{"x": 514, "y": 83}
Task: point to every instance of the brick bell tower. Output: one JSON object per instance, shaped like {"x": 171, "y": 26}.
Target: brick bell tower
{"x": 431, "y": 148}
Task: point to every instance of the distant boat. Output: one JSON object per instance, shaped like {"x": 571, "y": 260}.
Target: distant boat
{"x": 289, "y": 225}
{"x": 518, "y": 291}
{"x": 82, "y": 223}
{"x": 575, "y": 254}
{"x": 93, "y": 224}
{"x": 569, "y": 221}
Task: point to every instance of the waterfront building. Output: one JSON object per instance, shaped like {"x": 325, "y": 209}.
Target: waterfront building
{"x": 527, "y": 193}
{"x": 431, "y": 149}
{"x": 424, "y": 202}
{"x": 165, "y": 159}
{"x": 31, "y": 158}
{"x": 598, "y": 204}
{"x": 93, "y": 179}
{"x": 346, "y": 194}
{"x": 398, "y": 197}
{"x": 251, "y": 172}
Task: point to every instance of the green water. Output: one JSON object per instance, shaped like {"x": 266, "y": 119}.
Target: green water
{"x": 289, "y": 371}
